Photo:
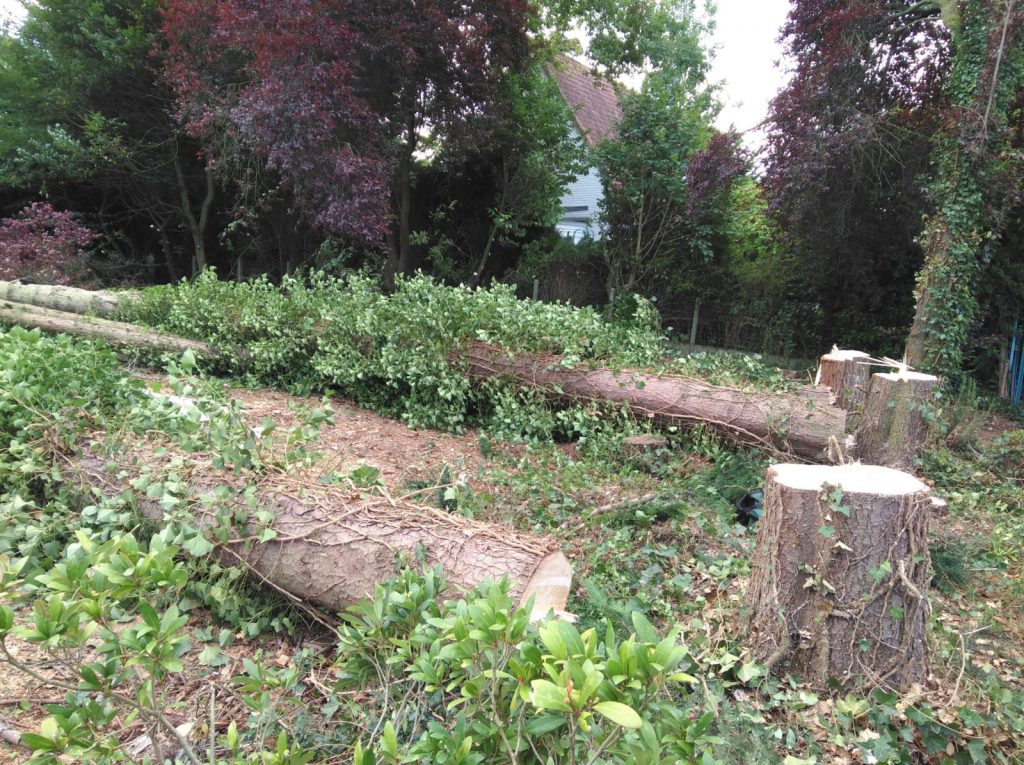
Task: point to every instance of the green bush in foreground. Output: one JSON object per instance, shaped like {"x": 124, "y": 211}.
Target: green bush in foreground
{"x": 471, "y": 681}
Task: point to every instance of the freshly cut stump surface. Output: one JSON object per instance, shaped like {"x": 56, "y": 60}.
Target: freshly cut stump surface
{"x": 847, "y": 375}
{"x": 838, "y": 589}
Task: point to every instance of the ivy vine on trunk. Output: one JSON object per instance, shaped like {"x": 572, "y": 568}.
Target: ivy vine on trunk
{"x": 975, "y": 182}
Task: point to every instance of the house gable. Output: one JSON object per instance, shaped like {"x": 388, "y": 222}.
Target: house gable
{"x": 596, "y": 112}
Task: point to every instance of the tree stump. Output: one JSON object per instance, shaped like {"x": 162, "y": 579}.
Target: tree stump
{"x": 838, "y": 589}
{"x": 892, "y": 427}
{"x": 644, "y": 446}
{"x": 846, "y": 374}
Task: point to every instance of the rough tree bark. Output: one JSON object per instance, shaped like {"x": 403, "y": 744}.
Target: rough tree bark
{"x": 838, "y": 588}
{"x": 786, "y": 423}
{"x": 63, "y": 298}
{"x": 846, "y": 374}
{"x": 115, "y": 333}
{"x": 332, "y": 545}
{"x": 892, "y": 429}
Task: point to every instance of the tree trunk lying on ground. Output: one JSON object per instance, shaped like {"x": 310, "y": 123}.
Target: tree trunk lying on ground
{"x": 59, "y": 298}
{"x": 332, "y": 545}
{"x": 893, "y": 429}
{"x": 839, "y": 578}
{"x": 786, "y": 423}
{"x": 115, "y": 333}
{"x": 802, "y": 423}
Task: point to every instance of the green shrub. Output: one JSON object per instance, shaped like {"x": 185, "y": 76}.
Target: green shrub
{"x": 472, "y": 681}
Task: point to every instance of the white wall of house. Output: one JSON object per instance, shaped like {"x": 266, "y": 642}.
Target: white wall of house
{"x": 580, "y": 205}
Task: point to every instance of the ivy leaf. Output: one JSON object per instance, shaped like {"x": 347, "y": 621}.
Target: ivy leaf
{"x": 212, "y": 656}
{"x": 198, "y": 546}
{"x": 748, "y": 671}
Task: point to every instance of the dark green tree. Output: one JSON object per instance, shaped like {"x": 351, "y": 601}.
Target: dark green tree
{"x": 91, "y": 126}
{"x": 668, "y": 173}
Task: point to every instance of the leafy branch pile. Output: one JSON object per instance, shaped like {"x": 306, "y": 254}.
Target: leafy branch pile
{"x": 396, "y": 352}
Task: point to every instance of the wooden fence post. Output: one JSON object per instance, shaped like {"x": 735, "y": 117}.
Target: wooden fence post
{"x": 693, "y": 325}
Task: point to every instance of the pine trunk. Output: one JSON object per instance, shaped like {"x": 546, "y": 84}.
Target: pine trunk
{"x": 892, "y": 428}
{"x": 846, "y": 374}
{"x": 838, "y": 588}
{"x": 330, "y": 546}
{"x": 785, "y": 423}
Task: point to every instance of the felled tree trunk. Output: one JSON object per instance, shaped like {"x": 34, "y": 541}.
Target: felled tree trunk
{"x": 61, "y": 298}
{"x": 802, "y": 423}
{"x": 330, "y": 546}
{"x": 892, "y": 428}
{"x": 838, "y": 587}
{"x": 115, "y": 333}
{"x": 846, "y": 374}
{"x": 787, "y": 423}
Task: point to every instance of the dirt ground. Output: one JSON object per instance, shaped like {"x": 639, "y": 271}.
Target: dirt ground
{"x": 404, "y": 457}
{"x": 357, "y": 437}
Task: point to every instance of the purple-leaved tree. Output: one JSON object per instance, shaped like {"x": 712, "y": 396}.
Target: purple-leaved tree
{"x": 40, "y": 243}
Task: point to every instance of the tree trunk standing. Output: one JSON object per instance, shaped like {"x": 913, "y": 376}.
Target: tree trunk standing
{"x": 839, "y": 576}
{"x": 694, "y": 322}
{"x": 115, "y": 333}
{"x": 973, "y": 187}
{"x": 846, "y": 374}
{"x": 196, "y": 226}
{"x": 791, "y": 424}
{"x": 893, "y": 429}
{"x": 496, "y": 222}
{"x": 400, "y": 261}
{"x": 331, "y": 546}
{"x": 168, "y": 251}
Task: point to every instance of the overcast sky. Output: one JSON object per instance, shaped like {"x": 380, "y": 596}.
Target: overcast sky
{"x": 746, "y": 58}
{"x": 10, "y": 9}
